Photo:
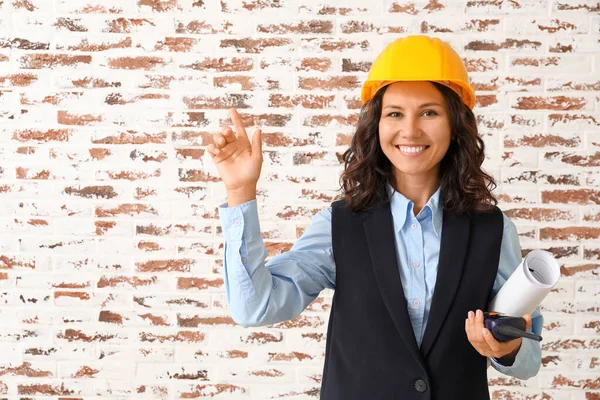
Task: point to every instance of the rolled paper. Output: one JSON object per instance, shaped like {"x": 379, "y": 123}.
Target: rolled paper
{"x": 528, "y": 285}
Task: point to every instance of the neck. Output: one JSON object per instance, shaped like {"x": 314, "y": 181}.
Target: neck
{"x": 417, "y": 189}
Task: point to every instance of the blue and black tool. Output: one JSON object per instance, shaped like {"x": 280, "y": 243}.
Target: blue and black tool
{"x": 505, "y": 327}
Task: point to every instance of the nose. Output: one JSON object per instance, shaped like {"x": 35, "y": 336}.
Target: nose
{"x": 410, "y": 127}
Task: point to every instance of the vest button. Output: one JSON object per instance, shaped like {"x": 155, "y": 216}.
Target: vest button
{"x": 420, "y": 385}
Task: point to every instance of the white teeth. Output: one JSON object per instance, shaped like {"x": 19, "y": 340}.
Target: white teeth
{"x": 412, "y": 149}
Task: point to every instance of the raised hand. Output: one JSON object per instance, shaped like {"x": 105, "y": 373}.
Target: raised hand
{"x": 238, "y": 161}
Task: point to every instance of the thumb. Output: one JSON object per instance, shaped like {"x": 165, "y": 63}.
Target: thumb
{"x": 257, "y": 142}
{"x": 527, "y": 318}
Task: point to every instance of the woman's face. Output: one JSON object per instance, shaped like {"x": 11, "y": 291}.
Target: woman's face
{"x": 414, "y": 129}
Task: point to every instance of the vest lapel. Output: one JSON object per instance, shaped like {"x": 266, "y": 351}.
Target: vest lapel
{"x": 453, "y": 249}
{"x": 379, "y": 229}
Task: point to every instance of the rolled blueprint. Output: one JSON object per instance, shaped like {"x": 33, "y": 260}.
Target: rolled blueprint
{"x": 528, "y": 285}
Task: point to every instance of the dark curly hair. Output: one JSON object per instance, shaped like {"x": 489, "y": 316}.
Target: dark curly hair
{"x": 465, "y": 186}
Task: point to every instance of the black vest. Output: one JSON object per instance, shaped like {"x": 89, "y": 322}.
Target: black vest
{"x": 371, "y": 350}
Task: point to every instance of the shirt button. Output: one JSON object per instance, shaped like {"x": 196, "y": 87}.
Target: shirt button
{"x": 416, "y": 303}
{"x": 416, "y": 263}
{"x": 237, "y": 222}
{"x": 413, "y": 226}
{"x": 244, "y": 260}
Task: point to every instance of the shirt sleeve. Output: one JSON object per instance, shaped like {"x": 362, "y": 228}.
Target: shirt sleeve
{"x": 260, "y": 293}
{"x": 529, "y": 357}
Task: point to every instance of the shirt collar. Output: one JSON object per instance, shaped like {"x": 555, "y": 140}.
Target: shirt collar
{"x": 401, "y": 206}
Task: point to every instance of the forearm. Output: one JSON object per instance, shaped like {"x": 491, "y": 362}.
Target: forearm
{"x": 262, "y": 294}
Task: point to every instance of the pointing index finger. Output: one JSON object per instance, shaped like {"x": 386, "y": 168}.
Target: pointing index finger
{"x": 237, "y": 123}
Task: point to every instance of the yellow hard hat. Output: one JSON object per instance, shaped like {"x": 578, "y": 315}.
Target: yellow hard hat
{"x": 419, "y": 58}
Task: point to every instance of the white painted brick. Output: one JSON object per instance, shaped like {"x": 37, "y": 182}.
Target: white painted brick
{"x": 109, "y": 231}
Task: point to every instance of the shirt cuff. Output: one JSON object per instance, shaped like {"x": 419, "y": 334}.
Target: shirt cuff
{"x": 521, "y": 360}
{"x": 240, "y": 222}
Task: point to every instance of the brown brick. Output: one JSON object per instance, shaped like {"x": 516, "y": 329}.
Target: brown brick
{"x": 70, "y": 24}
{"x": 199, "y": 283}
{"x": 570, "y": 233}
{"x": 540, "y": 214}
{"x": 94, "y": 46}
{"x": 589, "y": 383}
{"x": 110, "y": 317}
{"x": 319, "y": 64}
{"x": 85, "y": 372}
{"x": 67, "y": 118}
{"x": 45, "y": 389}
{"x": 23, "y": 44}
{"x": 25, "y": 369}
{"x": 332, "y": 83}
{"x": 409, "y": 8}
{"x": 306, "y": 27}
{"x": 126, "y": 25}
{"x": 196, "y": 321}
{"x": 592, "y": 8}
{"x": 89, "y": 192}
{"x": 223, "y": 64}
{"x": 78, "y": 295}
{"x": 306, "y": 101}
{"x": 254, "y": 46}
{"x": 235, "y": 82}
{"x": 481, "y": 64}
{"x": 219, "y": 102}
{"x": 550, "y": 103}
{"x": 512, "y": 44}
{"x": 541, "y": 140}
{"x": 592, "y": 160}
{"x": 574, "y": 196}
{"x": 140, "y": 62}
{"x": 258, "y": 120}
{"x": 302, "y": 321}
{"x": 51, "y": 135}
{"x": 334, "y": 45}
{"x": 181, "y": 265}
{"x": 181, "y": 336}
{"x": 77, "y": 335}
{"x": 203, "y": 27}
{"x": 43, "y": 61}
{"x": 160, "y": 5}
{"x": 21, "y": 80}
{"x": 255, "y": 338}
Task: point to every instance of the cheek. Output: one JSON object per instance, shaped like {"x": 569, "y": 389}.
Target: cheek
{"x": 443, "y": 136}
{"x": 381, "y": 128}
{"x": 385, "y": 132}
{"x": 443, "y": 147}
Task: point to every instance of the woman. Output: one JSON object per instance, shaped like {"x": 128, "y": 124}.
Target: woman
{"x": 416, "y": 245}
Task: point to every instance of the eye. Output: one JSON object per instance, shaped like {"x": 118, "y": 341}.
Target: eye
{"x": 392, "y": 114}
{"x": 430, "y": 111}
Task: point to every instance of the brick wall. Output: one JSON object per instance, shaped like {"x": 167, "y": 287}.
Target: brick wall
{"x": 111, "y": 279}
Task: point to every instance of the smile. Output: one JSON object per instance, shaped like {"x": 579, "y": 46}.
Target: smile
{"x": 412, "y": 150}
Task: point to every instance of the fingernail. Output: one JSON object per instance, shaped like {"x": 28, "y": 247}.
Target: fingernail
{"x": 470, "y": 314}
{"x": 479, "y": 313}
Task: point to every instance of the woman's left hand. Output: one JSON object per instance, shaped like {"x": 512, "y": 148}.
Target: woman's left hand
{"x": 485, "y": 343}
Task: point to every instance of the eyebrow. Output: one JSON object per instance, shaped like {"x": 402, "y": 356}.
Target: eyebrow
{"x": 421, "y": 106}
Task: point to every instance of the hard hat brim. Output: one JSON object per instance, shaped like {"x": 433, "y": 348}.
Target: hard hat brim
{"x": 465, "y": 92}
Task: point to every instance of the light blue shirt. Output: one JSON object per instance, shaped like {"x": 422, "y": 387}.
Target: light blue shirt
{"x": 260, "y": 293}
